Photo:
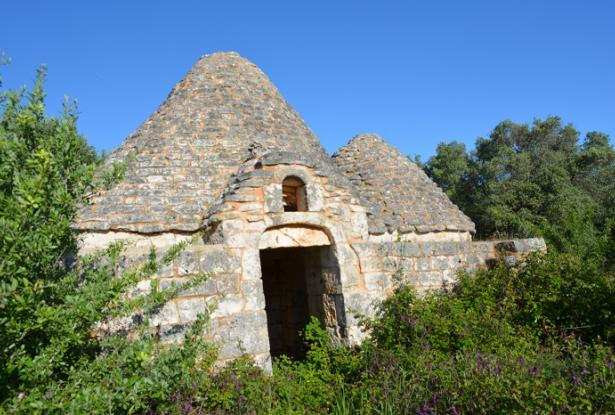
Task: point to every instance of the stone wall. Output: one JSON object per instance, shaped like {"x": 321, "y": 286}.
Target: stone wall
{"x": 427, "y": 262}
{"x": 354, "y": 269}
{"x": 234, "y": 295}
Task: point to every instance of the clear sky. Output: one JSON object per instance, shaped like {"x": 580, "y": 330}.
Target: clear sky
{"x": 416, "y": 72}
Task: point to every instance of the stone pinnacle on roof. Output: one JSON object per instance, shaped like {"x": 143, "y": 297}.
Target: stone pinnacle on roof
{"x": 185, "y": 153}
{"x": 407, "y": 199}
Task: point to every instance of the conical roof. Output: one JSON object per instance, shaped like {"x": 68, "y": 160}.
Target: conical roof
{"x": 407, "y": 200}
{"x": 180, "y": 160}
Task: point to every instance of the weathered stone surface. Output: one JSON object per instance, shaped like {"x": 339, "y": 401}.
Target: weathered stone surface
{"x": 252, "y": 291}
{"x": 220, "y": 260}
{"x": 167, "y": 314}
{"x": 189, "y": 308}
{"x": 377, "y": 281}
{"x": 228, "y": 305}
{"x": 522, "y": 245}
{"x": 251, "y": 264}
{"x": 293, "y": 236}
{"x": 273, "y": 198}
{"x": 242, "y": 333}
{"x": 224, "y": 112}
{"x": 400, "y": 191}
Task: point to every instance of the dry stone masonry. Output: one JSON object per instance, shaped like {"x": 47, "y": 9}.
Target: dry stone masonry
{"x": 283, "y": 231}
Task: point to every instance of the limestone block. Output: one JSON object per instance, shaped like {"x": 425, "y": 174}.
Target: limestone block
{"x": 254, "y": 295}
{"x": 248, "y": 207}
{"x": 263, "y": 360}
{"x": 391, "y": 264}
{"x": 189, "y": 308}
{"x": 376, "y": 281}
{"x": 273, "y": 198}
{"x": 207, "y": 288}
{"x": 511, "y": 260}
{"x": 315, "y": 219}
{"x": 371, "y": 264}
{"x": 483, "y": 246}
{"x": 241, "y": 197}
{"x": 242, "y": 333}
{"x": 349, "y": 275}
{"x": 407, "y": 264}
{"x": 227, "y": 283}
{"x": 522, "y": 245}
{"x": 228, "y": 305}
{"x": 167, "y": 314}
{"x": 251, "y": 264}
{"x": 217, "y": 259}
{"x": 362, "y": 303}
{"x": 364, "y": 249}
{"x": 166, "y": 283}
{"x": 359, "y": 228}
{"x": 449, "y": 276}
{"x": 165, "y": 270}
{"x": 188, "y": 263}
{"x": 430, "y": 279}
{"x": 410, "y": 249}
{"x": 423, "y": 264}
{"x": 293, "y": 236}
{"x": 315, "y": 197}
{"x": 243, "y": 240}
{"x": 440, "y": 262}
{"x": 142, "y": 287}
{"x": 355, "y": 335}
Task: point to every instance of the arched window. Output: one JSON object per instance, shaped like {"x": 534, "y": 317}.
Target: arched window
{"x": 294, "y": 195}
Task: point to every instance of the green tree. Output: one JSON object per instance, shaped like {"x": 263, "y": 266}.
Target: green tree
{"x": 532, "y": 181}
{"x": 450, "y": 168}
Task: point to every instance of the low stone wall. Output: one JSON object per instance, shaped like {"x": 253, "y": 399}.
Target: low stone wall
{"x": 238, "y": 323}
{"x": 234, "y": 288}
{"x": 511, "y": 251}
{"x": 424, "y": 265}
{"x": 433, "y": 264}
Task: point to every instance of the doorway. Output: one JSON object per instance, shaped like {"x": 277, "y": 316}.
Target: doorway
{"x": 299, "y": 283}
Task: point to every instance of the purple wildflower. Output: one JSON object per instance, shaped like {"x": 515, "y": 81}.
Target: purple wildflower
{"x": 496, "y": 368}
{"x": 187, "y": 407}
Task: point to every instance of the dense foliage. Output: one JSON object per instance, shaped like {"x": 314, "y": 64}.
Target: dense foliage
{"x": 50, "y": 359}
{"x": 529, "y": 339}
{"x": 536, "y": 338}
{"x": 534, "y": 181}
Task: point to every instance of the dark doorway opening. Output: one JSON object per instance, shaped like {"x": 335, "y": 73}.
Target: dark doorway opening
{"x": 300, "y": 283}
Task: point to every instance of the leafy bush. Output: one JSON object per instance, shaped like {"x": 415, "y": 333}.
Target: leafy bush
{"x": 51, "y": 361}
{"x": 505, "y": 340}
{"x": 528, "y": 339}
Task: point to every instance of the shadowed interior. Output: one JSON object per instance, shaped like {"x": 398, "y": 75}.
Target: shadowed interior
{"x": 298, "y": 283}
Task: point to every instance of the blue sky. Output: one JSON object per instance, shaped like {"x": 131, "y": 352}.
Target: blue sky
{"x": 416, "y": 72}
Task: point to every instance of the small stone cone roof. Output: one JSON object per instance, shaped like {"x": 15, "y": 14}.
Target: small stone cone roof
{"x": 406, "y": 198}
{"x": 181, "y": 159}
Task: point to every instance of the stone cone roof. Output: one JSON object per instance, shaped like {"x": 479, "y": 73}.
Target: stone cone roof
{"x": 181, "y": 159}
{"x": 407, "y": 200}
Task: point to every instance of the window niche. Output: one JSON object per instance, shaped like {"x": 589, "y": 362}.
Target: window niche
{"x": 294, "y": 195}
